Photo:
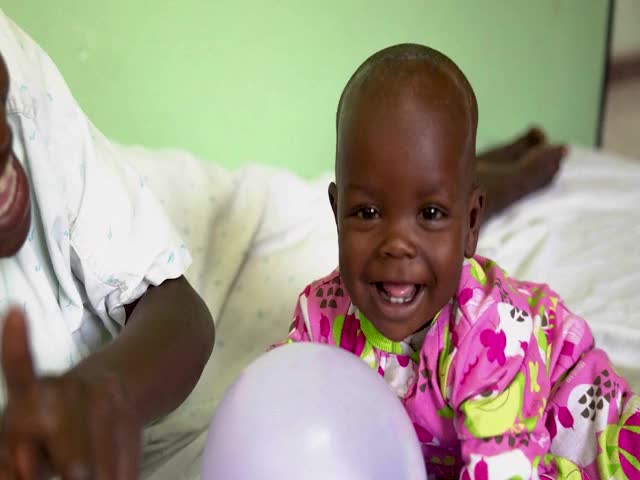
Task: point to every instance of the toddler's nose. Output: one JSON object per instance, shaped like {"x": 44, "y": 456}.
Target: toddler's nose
{"x": 398, "y": 244}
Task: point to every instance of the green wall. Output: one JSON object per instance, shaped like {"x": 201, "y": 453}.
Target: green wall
{"x": 256, "y": 80}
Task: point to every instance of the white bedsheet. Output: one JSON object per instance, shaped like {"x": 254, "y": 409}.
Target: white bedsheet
{"x": 258, "y": 235}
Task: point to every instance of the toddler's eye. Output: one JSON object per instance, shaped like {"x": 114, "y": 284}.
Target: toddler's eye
{"x": 367, "y": 213}
{"x": 432, "y": 213}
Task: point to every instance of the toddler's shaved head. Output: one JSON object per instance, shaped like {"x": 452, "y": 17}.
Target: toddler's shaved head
{"x": 419, "y": 71}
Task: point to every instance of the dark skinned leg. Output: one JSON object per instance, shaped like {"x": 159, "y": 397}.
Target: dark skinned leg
{"x": 512, "y": 171}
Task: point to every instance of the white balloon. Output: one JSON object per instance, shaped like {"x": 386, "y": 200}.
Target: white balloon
{"x": 311, "y": 412}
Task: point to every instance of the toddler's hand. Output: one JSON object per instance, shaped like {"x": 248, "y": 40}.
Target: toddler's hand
{"x": 74, "y": 427}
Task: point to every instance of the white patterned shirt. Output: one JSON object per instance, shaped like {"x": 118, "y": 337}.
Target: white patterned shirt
{"x": 98, "y": 239}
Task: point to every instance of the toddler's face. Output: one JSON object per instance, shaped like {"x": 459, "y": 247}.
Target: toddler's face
{"x": 405, "y": 208}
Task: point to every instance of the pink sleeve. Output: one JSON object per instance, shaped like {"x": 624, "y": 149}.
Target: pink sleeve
{"x": 317, "y": 306}
{"x": 488, "y": 389}
{"x": 300, "y": 330}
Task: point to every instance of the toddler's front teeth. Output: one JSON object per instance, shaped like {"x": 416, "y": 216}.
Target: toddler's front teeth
{"x": 399, "y": 299}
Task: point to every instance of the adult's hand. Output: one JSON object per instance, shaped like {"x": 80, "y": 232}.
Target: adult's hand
{"x": 68, "y": 426}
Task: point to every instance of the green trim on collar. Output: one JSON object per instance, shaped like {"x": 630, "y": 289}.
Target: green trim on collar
{"x": 376, "y": 339}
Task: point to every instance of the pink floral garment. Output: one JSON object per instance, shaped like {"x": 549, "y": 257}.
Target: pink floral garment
{"x": 504, "y": 383}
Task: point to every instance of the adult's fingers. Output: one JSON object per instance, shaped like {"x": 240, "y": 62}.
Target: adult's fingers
{"x": 31, "y": 461}
{"x": 53, "y": 416}
{"x": 129, "y": 438}
{"x": 103, "y": 423}
{"x": 7, "y": 466}
{"x": 17, "y": 364}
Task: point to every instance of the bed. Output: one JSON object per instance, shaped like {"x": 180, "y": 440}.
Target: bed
{"x": 259, "y": 234}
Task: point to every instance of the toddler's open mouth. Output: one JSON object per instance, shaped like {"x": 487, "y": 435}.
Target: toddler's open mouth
{"x": 398, "y": 293}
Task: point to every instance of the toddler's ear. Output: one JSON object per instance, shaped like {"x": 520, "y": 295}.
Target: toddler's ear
{"x": 333, "y": 200}
{"x": 476, "y": 206}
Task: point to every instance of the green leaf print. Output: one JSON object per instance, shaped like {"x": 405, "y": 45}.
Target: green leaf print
{"x": 477, "y": 272}
{"x": 336, "y": 329}
{"x": 492, "y": 416}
